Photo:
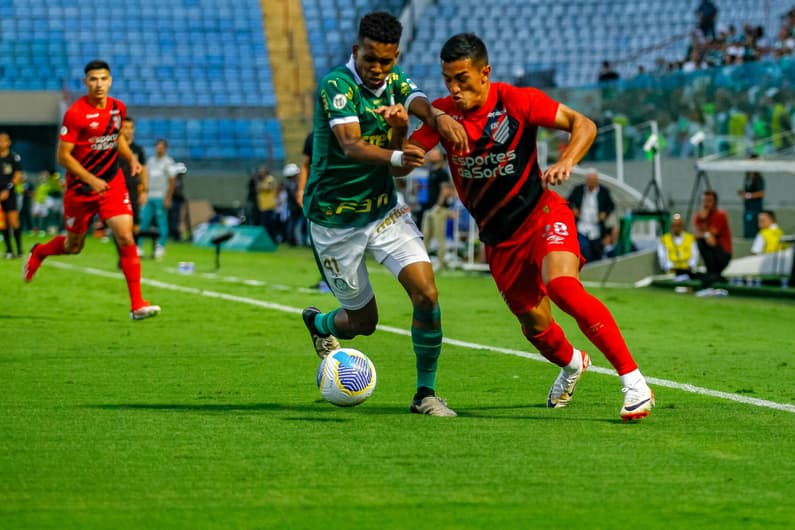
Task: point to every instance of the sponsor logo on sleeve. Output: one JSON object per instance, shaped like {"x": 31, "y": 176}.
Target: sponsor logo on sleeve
{"x": 339, "y": 101}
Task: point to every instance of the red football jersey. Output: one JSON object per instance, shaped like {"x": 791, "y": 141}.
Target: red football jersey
{"x": 95, "y": 134}
{"x": 499, "y": 179}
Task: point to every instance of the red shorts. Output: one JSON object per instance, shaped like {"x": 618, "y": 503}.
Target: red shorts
{"x": 78, "y": 209}
{"x": 516, "y": 263}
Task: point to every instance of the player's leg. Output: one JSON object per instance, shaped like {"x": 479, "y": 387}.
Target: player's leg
{"x": 78, "y": 211}
{"x": 12, "y": 220}
{"x": 519, "y": 281}
{"x": 396, "y": 243}
{"x": 5, "y": 208}
{"x": 340, "y": 254}
{"x": 116, "y": 212}
{"x": 162, "y": 228}
{"x": 560, "y": 273}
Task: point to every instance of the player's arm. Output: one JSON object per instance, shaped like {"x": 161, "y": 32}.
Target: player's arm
{"x": 583, "y": 132}
{"x": 440, "y": 121}
{"x": 126, "y": 152}
{"x": 349, "y": 136}
{"x": 143, "y": 184}
{"x": 67, "y": 160}
{"x": 172, "y": 185}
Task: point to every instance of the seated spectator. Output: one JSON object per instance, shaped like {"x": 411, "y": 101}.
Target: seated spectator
{"x": 768, "y": 239}
{"x": 592, "y": 204}
{"x": 714, "y": 238}
{"x": 677, "y": 250}
{"x": 607, "y": 73}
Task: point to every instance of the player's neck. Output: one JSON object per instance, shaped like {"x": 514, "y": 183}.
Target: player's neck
{"x": 99, "y": 103}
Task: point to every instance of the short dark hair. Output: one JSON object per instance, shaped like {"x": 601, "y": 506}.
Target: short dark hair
{"x": 162, "y": 141}
{"x": 712, "y": 193}
{"x": 96, "y": 64}
{"x": 465, "y": 46}
{"x": 129, "y": 119}
{"x": 770, "y": 214}
{"x": 380, "y": 26}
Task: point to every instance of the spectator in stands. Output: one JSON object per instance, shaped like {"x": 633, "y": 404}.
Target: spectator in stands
{"x": 136, "y": 184}
{"x": 592, "y": 204}
{"x": 360, "y": 123}
{"x": 10, "y": 178}
{"x": 434, "y": 222}
{"x": 161, "y": 173}
{"x": 768, "y": 239}
{"x": 752, "y": 195}
{"x": 437, "y": 174}
{"x": 607, "y": 73}
{"x": 714, "y": 238}
{"x": 296, "y": 224}
{"x": 707, "y": 14}
{"x": 267, "y": 189}
{"x": 677, "y": 250}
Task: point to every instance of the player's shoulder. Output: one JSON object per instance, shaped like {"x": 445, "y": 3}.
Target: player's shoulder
{"x": 114, "y": 103}
{"x": 445, "y": 104}
{"x": 513, "y": 91}
{"x": 339, "y": 78}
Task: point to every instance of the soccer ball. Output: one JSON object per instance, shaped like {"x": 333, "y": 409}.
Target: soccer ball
{"x": 346, "y": 377}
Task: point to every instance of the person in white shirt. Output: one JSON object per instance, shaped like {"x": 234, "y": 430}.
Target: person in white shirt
{"x": 592, "y": 204}
{"x": 161, "y": 170}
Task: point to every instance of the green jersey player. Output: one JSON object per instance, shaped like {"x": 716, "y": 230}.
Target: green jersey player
{"x": 350, "y": 201}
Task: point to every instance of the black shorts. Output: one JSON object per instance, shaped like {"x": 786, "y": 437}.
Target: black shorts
{"x": 10, "y": 204}
{"x": 136, "y": 208}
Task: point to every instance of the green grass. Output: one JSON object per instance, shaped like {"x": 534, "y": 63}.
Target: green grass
{"x": 208, "y": 416}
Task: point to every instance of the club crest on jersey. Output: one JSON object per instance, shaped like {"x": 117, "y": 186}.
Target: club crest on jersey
{"x": 117, "y": 122}
{"x": 339, "y": 101}
{"x": 93, "y": 124}
{"x": 501, "y": 130}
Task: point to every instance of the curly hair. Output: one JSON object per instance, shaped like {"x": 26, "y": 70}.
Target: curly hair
{"x": 380, "y": 26}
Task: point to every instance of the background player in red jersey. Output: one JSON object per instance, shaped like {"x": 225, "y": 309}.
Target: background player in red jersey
{"x": 90, "y": 142}
{"x": 529, "y": 231}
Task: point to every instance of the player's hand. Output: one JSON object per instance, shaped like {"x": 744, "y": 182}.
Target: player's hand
{"x": 413, "y": 156}
{"x": 557, "y": 173}
{"x": 453, "y": 132}
{"x": 99, "y": 185}
{"x": 135, "y": 166}
{"x": 141, "y": 198}
{"x": 167, "y": 203}
{"x": 4, "y": 195}
{"x": 396, "y": 116}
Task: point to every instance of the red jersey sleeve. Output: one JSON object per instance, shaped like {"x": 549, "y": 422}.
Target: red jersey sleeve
{"x": 70, "y": 129}
{"x": 425, "y": 137}
{"x": 541, "y": 109}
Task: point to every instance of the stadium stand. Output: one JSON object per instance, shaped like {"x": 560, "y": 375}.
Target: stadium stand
{"x": 183, "y": 68}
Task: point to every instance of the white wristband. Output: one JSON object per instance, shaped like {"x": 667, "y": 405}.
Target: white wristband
{"x": 396, "y": 159}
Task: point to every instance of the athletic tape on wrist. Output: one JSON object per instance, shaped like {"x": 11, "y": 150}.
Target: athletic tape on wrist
{"x": 396, "y": 159}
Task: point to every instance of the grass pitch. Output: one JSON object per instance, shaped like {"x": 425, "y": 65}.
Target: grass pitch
{"x": 208, "y": 415}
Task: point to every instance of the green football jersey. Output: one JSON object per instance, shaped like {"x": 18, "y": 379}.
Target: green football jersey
{"x": 341, "y": 192}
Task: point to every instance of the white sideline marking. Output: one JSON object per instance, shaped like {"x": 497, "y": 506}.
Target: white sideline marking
{"x": 786, "y": 407}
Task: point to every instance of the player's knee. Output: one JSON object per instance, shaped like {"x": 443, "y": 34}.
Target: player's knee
{"x": 426, "y": 298}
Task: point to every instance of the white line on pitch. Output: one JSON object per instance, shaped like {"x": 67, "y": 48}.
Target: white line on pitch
{"x": 454, "y": 342}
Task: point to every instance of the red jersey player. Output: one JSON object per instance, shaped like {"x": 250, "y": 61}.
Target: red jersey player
{"x": 528, "y": 230}
{"x": 90, "y": 142}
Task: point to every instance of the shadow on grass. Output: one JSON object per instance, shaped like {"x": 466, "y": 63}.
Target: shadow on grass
{"x": 318, "y": 411}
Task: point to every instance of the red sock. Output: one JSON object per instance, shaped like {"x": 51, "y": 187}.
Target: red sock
{"x": 53, "y": 247}
{"x": 552, "y": 344}
{"x": 594, "y": 320}
{"x": 131, "y": 266}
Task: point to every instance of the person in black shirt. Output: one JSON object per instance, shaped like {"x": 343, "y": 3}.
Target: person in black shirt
{"x": 10, "y": 176}
{"x": 136, "y": 184}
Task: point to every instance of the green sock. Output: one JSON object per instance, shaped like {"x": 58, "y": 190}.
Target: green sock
{"x": 427, "y": 342}
{"x": 324, "y": 322}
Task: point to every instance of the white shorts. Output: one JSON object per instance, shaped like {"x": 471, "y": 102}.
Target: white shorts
{"x": 394, "y": 241}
